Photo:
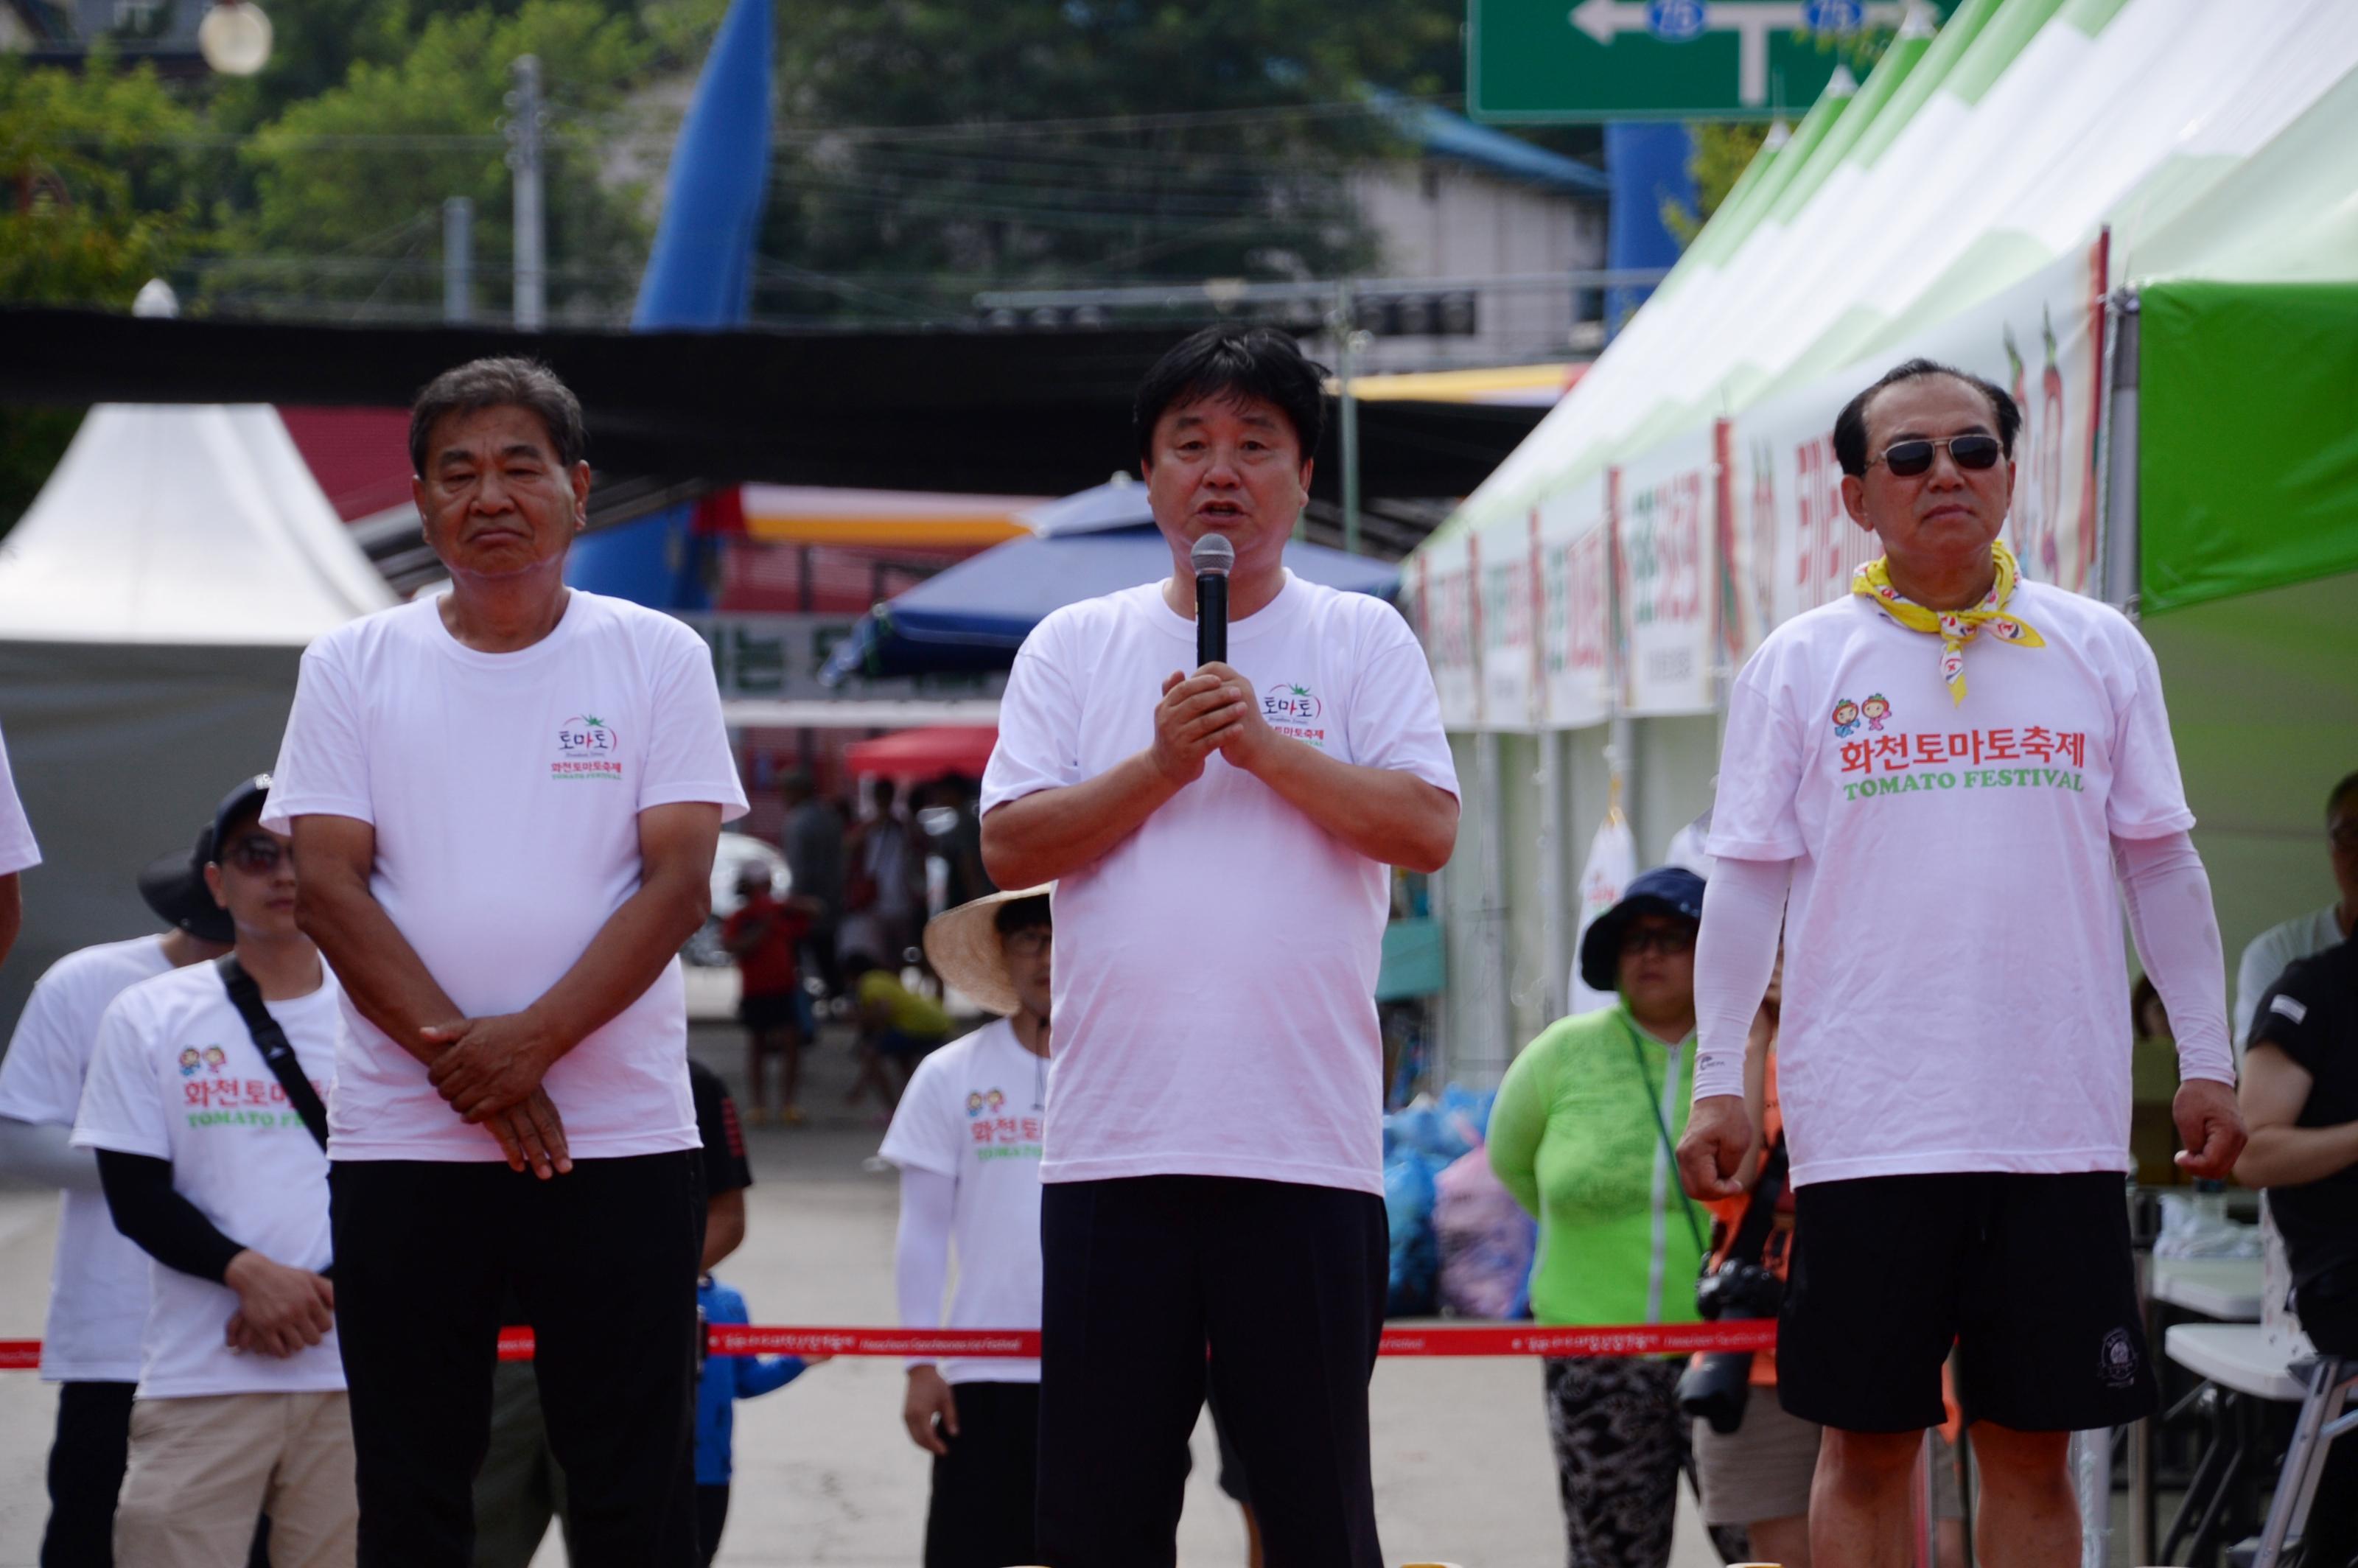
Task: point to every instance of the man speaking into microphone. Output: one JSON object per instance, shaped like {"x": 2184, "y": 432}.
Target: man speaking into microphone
{"x": 1218, "y": 840}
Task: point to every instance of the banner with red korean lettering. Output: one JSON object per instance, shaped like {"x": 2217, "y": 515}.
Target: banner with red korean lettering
{"x": 1439, "y": 602}
{"x": 1507, "y": 624}
{"x": 1663, "y": 531}
{"x": 1573, "y": 539}
{"x": 2041, "y": 340}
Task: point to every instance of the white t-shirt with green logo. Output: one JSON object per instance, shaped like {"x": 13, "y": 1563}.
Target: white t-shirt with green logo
{"x": 176, "y": 1077}
{"x": 506, "y": 790}
{"x": 975, "y": 1112}
{"x": 1956, "y": 993}
{"x": 1215, "y": 972}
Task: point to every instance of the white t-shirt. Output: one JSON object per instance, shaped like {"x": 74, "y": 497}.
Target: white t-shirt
{"x": 18, "y": 851}
{"x": 1215, "y": 972}
{"x": 98, "y": 1282}
{"x": 1956, "y": 992}
{"x": 974, "y": 1112}
{"x": 2271, "y": 953}
{"x": 178, "y": 1078}
{"x": 506, "y": 790}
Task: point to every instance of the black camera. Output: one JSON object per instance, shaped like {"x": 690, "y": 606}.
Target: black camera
{"x": 1715, "y": 1388}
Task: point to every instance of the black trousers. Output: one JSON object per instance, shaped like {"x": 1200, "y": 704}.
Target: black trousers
{"x": 604, "y": 1261}
{"x": 981, "y": 1511}
{"x": 1284, "y": 1284}
{"x": 711, "y": 1519}
{"x": 86, "y": 1464}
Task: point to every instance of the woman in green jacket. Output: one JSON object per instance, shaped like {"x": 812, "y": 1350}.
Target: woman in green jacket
{"x": 1581, "y": 1135}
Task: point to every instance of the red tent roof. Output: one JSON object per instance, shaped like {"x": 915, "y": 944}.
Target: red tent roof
{"x": 924, "y": 754}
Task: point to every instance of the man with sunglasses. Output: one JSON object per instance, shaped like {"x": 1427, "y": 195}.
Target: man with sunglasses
{"x": 1954, "y": 1069}
{"x": 213, "y": 1165}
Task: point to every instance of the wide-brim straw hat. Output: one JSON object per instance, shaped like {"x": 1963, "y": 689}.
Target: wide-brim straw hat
{"x": 963, "y": 946}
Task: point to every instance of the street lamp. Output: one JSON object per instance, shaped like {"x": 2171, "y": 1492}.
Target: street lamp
{"x": 234, "y": 38}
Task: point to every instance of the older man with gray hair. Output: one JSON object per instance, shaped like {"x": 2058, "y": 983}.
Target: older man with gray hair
{"x": 505, "y": 801}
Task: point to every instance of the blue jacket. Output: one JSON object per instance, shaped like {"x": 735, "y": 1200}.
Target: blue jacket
{"x": 727, "y": 1379}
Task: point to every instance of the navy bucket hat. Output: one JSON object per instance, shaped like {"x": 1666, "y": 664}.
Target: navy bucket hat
{"x": 1665, "y": 890}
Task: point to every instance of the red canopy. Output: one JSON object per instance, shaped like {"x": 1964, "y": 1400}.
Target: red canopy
{"x": 924, "y": 754}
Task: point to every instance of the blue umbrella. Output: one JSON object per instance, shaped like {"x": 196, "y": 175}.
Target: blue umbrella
{"x": 976, "y": 615}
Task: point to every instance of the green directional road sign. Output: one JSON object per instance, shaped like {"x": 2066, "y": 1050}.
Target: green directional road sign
{"x": 1567, "y": 60}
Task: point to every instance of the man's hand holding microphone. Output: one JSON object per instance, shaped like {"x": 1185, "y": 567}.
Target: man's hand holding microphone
{"x": 1212, "y": 710}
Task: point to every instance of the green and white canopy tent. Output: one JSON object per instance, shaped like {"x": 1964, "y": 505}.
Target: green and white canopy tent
{"x": 2139, "y": 215}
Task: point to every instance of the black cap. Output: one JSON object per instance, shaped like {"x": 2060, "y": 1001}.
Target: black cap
{"x": 1665, "y": 890}
{"x": 174, "y": 887}
{"x": 239, "y": 804}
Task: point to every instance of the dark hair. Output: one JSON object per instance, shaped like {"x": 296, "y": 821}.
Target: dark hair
{"x": 497, "y": 383}
{"x": 2342, "y": 792}
{"x": 1232, "y": 363}
{"x": 1022, "y": 914}
{"x": 1850, "y": 425}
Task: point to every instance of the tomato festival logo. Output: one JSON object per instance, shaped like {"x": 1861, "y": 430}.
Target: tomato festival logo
{"x": 587, "y": 748}
{"x": 1292, "y": 709}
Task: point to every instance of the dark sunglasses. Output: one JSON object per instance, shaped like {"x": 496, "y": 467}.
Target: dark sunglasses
{"x": 259, "y": 853}
{"x": 1908, "y": 458}
{"x": 1669, "y": 941}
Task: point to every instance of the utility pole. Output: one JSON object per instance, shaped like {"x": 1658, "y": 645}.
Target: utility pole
{"x": 523, "y": 156}
{"x": 457, "y": 259}
{"x": 1349, "y": 342}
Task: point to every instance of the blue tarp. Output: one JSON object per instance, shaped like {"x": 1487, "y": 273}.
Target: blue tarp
{"x": 976, "y": 615}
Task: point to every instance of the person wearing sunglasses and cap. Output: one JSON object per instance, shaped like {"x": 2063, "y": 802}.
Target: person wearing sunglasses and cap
{"x": 966, "y": 1137}
{"x": 98, "y": 1282}
{"x": 206, "y": 1107}
{"x": 1954, "y": 1071}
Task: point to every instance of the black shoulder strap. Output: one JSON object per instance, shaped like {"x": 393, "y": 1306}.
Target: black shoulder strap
{"x": 270, "y": 1041}
{"x": 1752, "y": 1234}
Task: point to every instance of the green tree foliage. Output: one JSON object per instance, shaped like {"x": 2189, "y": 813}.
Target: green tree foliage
{"x": 933, "y": 147}
{"x": 349, "y": 185}
{"x": 92, "y": 204}
{"x": 1723, "y": 152}
{"x": 93, "y": 192}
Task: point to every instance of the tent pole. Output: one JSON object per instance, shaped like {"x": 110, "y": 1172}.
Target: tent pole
{"x": 2120, "y": 456}
{"x": 1553, "y": 881}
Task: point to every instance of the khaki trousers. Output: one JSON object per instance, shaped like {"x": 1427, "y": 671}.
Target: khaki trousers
{"x": 203, "y": 1468}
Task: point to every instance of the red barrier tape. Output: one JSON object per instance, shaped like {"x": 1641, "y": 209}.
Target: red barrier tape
{"x": 1441, "y": 1339}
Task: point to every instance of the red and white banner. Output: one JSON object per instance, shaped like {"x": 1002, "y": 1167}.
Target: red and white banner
{"x": 1572, "y": 537}
{"x": 1443, "y": 1339}
{"x": 1664, "y": 531}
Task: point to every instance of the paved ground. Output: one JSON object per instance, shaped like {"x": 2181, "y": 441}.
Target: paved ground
{"x": 824, "y": 1474}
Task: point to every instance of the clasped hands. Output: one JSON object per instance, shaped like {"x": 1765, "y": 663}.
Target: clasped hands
{"x": 1212, "y": 711}
{"x": 489, "y": 1072}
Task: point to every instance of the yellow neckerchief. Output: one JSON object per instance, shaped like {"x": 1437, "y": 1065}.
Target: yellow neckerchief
{"x": 1955, "y": 628}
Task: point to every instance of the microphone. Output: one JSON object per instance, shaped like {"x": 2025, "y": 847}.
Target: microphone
{"x": 1212, "y": 557}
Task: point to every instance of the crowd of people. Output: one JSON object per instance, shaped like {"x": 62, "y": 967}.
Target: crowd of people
{"x": 409, "y": 1061}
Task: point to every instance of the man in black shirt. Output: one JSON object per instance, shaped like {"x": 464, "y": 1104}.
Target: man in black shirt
{"x": 2300, "y": 1100}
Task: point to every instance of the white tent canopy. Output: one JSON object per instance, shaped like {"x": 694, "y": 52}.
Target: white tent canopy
{"x": 153, "y": 606}
{"x": 183, "y": 526}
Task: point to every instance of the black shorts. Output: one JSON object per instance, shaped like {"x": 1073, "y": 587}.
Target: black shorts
{"x": 766, "y": 1011}
{"x": 2028, "y": 1277}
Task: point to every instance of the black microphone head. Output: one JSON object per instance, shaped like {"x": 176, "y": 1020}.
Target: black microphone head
{"x": 1212, "y": 556}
